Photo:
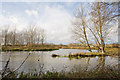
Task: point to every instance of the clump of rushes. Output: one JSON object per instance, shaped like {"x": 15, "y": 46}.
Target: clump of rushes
{"x": 55, "y": 55}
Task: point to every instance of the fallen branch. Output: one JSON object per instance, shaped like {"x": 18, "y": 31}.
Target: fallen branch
{"x": 5, "y": 68}
{"x": 17, "y": 68}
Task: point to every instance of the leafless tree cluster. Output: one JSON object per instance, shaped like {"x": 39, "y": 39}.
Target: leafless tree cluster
{"x": 32, "y": 35}
{"x": 98, "y": 20}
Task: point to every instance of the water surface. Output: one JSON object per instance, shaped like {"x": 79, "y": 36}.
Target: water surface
{"x": 37, "y": 59}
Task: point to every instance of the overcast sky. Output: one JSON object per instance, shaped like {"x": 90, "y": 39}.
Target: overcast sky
{"x": 54, "y": 17}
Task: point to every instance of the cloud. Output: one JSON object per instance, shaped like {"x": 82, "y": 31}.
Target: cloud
{"x": 57, "y": 22}
{"x": 8, "y": 19}
{"x": 113, "y": 35}
{"x": 13, "y": 19}
{"x": 32, "y": 12}
{"x": 55, "y": 19}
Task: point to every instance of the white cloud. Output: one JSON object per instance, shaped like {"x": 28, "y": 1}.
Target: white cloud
{"x": 56, "y": 21}
{"x": 13, "y": 19}
{"x": 113, "y": 35}
{"x": 32, "y": 12}
{"x": 8, "y": 20}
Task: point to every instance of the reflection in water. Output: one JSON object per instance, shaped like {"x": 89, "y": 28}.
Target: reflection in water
{"x": 42, "y": 61}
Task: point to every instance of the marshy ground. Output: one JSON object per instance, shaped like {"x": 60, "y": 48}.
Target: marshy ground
{"x": 101, "y": 70}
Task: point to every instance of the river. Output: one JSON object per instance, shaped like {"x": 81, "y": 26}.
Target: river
{"x": 42, "y": 60}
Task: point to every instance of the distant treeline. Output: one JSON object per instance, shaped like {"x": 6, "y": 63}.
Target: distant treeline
{"x": 49, "y": 47}
{"x": 31, "y": 35}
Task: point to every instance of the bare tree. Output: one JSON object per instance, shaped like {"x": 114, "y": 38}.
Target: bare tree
{"x": 21, "y": 37}
{"x": 5, "y": 35}
{"x": 30, "y": 33}
{"x": 102, "y": 16}
{"x": 14, "y": 35}
{"x": 10, "y": 38}
{"x": 34, "y": 34}
{"x": 42, "y": 36}
{"x": 80, "y": 26}
{"x": 26, "y": 36}
{"x": 38, "y": 36}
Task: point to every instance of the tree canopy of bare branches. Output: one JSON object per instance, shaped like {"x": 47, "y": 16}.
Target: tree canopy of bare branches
{"x": 98, "y": 19}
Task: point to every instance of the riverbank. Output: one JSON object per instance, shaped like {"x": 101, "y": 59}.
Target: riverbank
{"x": 30, "y": 48}
{"x": 112, "y": 51}
{"x": 109, "y": 52}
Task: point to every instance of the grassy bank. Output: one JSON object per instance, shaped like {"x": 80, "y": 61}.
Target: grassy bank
{"x": 109, "y": 52}
{"x": 112, "y": 51}
{"x": 29, "y": 48}
{"x": 96, "y": 73}
{"x": 43, "y": 49}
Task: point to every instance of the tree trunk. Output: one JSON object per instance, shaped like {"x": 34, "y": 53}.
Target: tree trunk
{"x": 84, "y": 31}
{"x": 100, "y": 26}
{"x": 86, "y": 38}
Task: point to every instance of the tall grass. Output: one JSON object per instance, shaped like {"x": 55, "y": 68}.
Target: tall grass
{"x": 98, "y": 72}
